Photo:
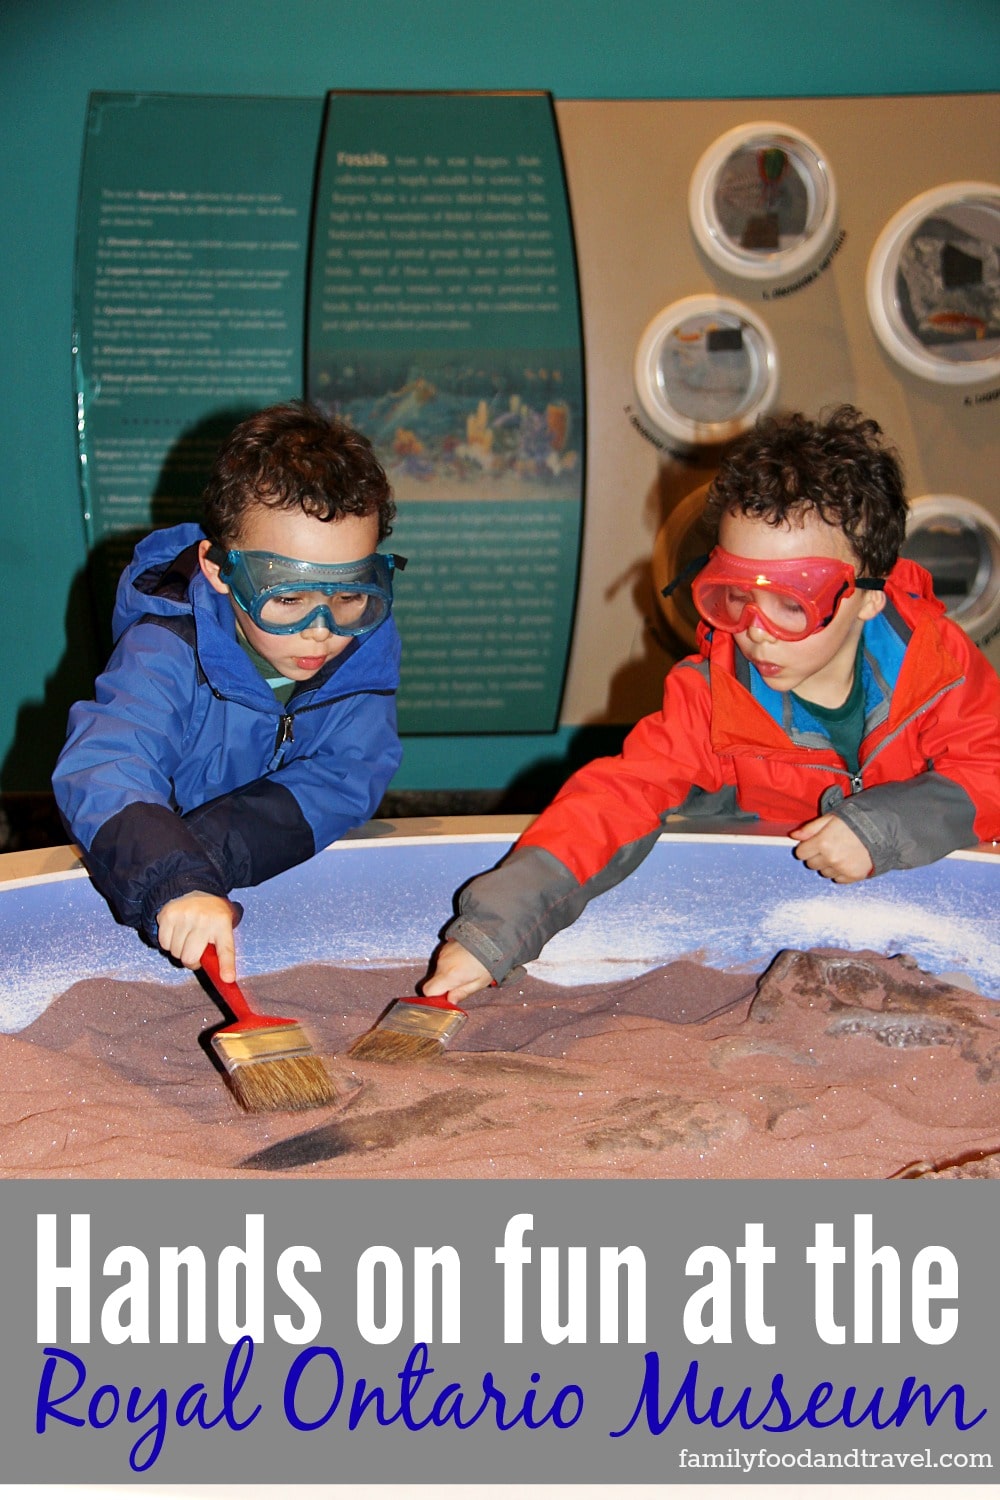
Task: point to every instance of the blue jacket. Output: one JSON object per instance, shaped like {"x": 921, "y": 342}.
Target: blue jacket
{"x": 186, "y": 773}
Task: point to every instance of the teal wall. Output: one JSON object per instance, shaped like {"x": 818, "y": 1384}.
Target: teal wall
{"x": 53, "y": 53}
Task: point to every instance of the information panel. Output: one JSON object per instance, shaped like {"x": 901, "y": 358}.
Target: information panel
{"x": 444, "y": 322}
{"x": 190, "y": 287}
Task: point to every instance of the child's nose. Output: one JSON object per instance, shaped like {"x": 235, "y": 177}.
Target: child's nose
{"x": 757, "y": 629}
{"x": 318, "y": 630}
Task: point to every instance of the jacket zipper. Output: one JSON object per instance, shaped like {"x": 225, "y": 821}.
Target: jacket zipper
{"x": 286, "y": 732}
{"x": 856, "y": 782}
{"x": 855, "y": 778}
{"x": 905, "y": 724}
{"x": 286, "y": 722}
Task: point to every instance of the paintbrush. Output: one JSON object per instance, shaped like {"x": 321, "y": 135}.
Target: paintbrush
{"x": 269, "y": 1060}
{"x": 410, "y": 1030}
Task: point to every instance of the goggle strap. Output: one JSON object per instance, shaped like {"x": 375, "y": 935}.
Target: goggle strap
{"x": 686, "y": 575}
{"x": 859, "y": 583}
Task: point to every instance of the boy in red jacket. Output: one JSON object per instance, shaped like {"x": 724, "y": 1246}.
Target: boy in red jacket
{"x": 830, "y": 695}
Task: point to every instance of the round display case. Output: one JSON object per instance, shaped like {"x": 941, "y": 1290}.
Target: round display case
{"x": 706, "y": 367}
{"x": 958, "y": 542}
{"x": 763, "y": 203}
{"x": 933, "y": 284}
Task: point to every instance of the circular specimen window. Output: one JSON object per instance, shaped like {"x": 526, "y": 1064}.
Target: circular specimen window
{"x": 706, "y": 367}
{"x": 763, "y": 202}
{"x": 933, "y": 284}
{"x": 958, "y": 542}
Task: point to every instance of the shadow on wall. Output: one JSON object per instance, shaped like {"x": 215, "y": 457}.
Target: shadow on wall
{"x": 27, "y": 815}
{"x": 634, "y": 690}
{"x": 637, "y": 686}
{"x": 41, "y": 726}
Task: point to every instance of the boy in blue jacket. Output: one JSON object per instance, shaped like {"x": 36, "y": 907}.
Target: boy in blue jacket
{"x": 247, "y": 715}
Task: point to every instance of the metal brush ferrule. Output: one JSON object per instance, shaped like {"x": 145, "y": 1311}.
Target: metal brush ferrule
{"x": 235, "y": 1047}
{"x": 426, "y": 1021}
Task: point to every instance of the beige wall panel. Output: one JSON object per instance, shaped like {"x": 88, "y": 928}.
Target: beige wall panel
{"x": 629, "y": 164}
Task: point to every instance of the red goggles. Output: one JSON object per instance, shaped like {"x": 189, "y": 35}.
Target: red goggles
{"x": 791, "y": 599}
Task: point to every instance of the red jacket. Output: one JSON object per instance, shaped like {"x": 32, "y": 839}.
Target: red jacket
{"x": 929, "y": 778}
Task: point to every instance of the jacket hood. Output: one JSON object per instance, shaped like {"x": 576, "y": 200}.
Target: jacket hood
{"x": 151, "y": 584}
{"x": 164, "y": 579}
{"x": 908, "y": 580}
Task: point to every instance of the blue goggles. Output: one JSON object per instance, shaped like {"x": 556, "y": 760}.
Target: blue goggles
{"x": 283, "y": 595}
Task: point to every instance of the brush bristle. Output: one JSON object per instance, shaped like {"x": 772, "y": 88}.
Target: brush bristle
{"x": 410, "y": 1031}
{"x": 282, "y": 1083}
{"x": 383, "y": 1044}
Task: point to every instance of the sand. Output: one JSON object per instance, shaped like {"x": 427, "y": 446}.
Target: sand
{"x": 831, "y": 1064}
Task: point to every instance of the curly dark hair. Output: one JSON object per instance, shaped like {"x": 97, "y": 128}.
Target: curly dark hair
{"x": 838, "y": 466}
{"x": 293, "y": 456}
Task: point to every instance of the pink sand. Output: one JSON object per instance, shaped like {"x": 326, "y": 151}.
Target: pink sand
{"x": 831, "y": 1065}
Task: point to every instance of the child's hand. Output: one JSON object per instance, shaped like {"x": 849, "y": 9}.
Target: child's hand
{"x": 832, "y": 849}
{"x": 189, "y": 923}
{"x": 456, "y": 974}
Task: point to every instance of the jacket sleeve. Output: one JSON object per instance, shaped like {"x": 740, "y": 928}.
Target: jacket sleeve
{"x": 599, "y": 828}
{"x": 114, "y": 785}
{"x": 284, "y": 818}
{"x": 954, "y": 802}
{"x": 113, "y": 781}
{"x": 508, "y": 915}
{"x": 903, "y": 824}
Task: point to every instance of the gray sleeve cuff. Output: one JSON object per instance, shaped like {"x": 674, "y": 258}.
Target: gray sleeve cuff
{"x": 508, "y": 915}
{"x": 904, "y": 824}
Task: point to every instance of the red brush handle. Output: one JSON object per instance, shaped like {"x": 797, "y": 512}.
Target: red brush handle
{"x": 444, "y": 1002}
{"x": 231, "y": 993}
{"x": 440, "y": 1002}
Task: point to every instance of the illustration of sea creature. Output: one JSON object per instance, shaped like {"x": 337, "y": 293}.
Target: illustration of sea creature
{"x": 479, "y": 437}
{"x": 557, "y": 422}
{"x": 406, "y": 442}
{"x": 412, "y": 454}
{"x": 405, "y": 406}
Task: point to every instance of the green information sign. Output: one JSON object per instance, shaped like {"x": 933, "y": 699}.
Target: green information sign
{"x": 190, "y": 288}
{"x": 444, "y": 322}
